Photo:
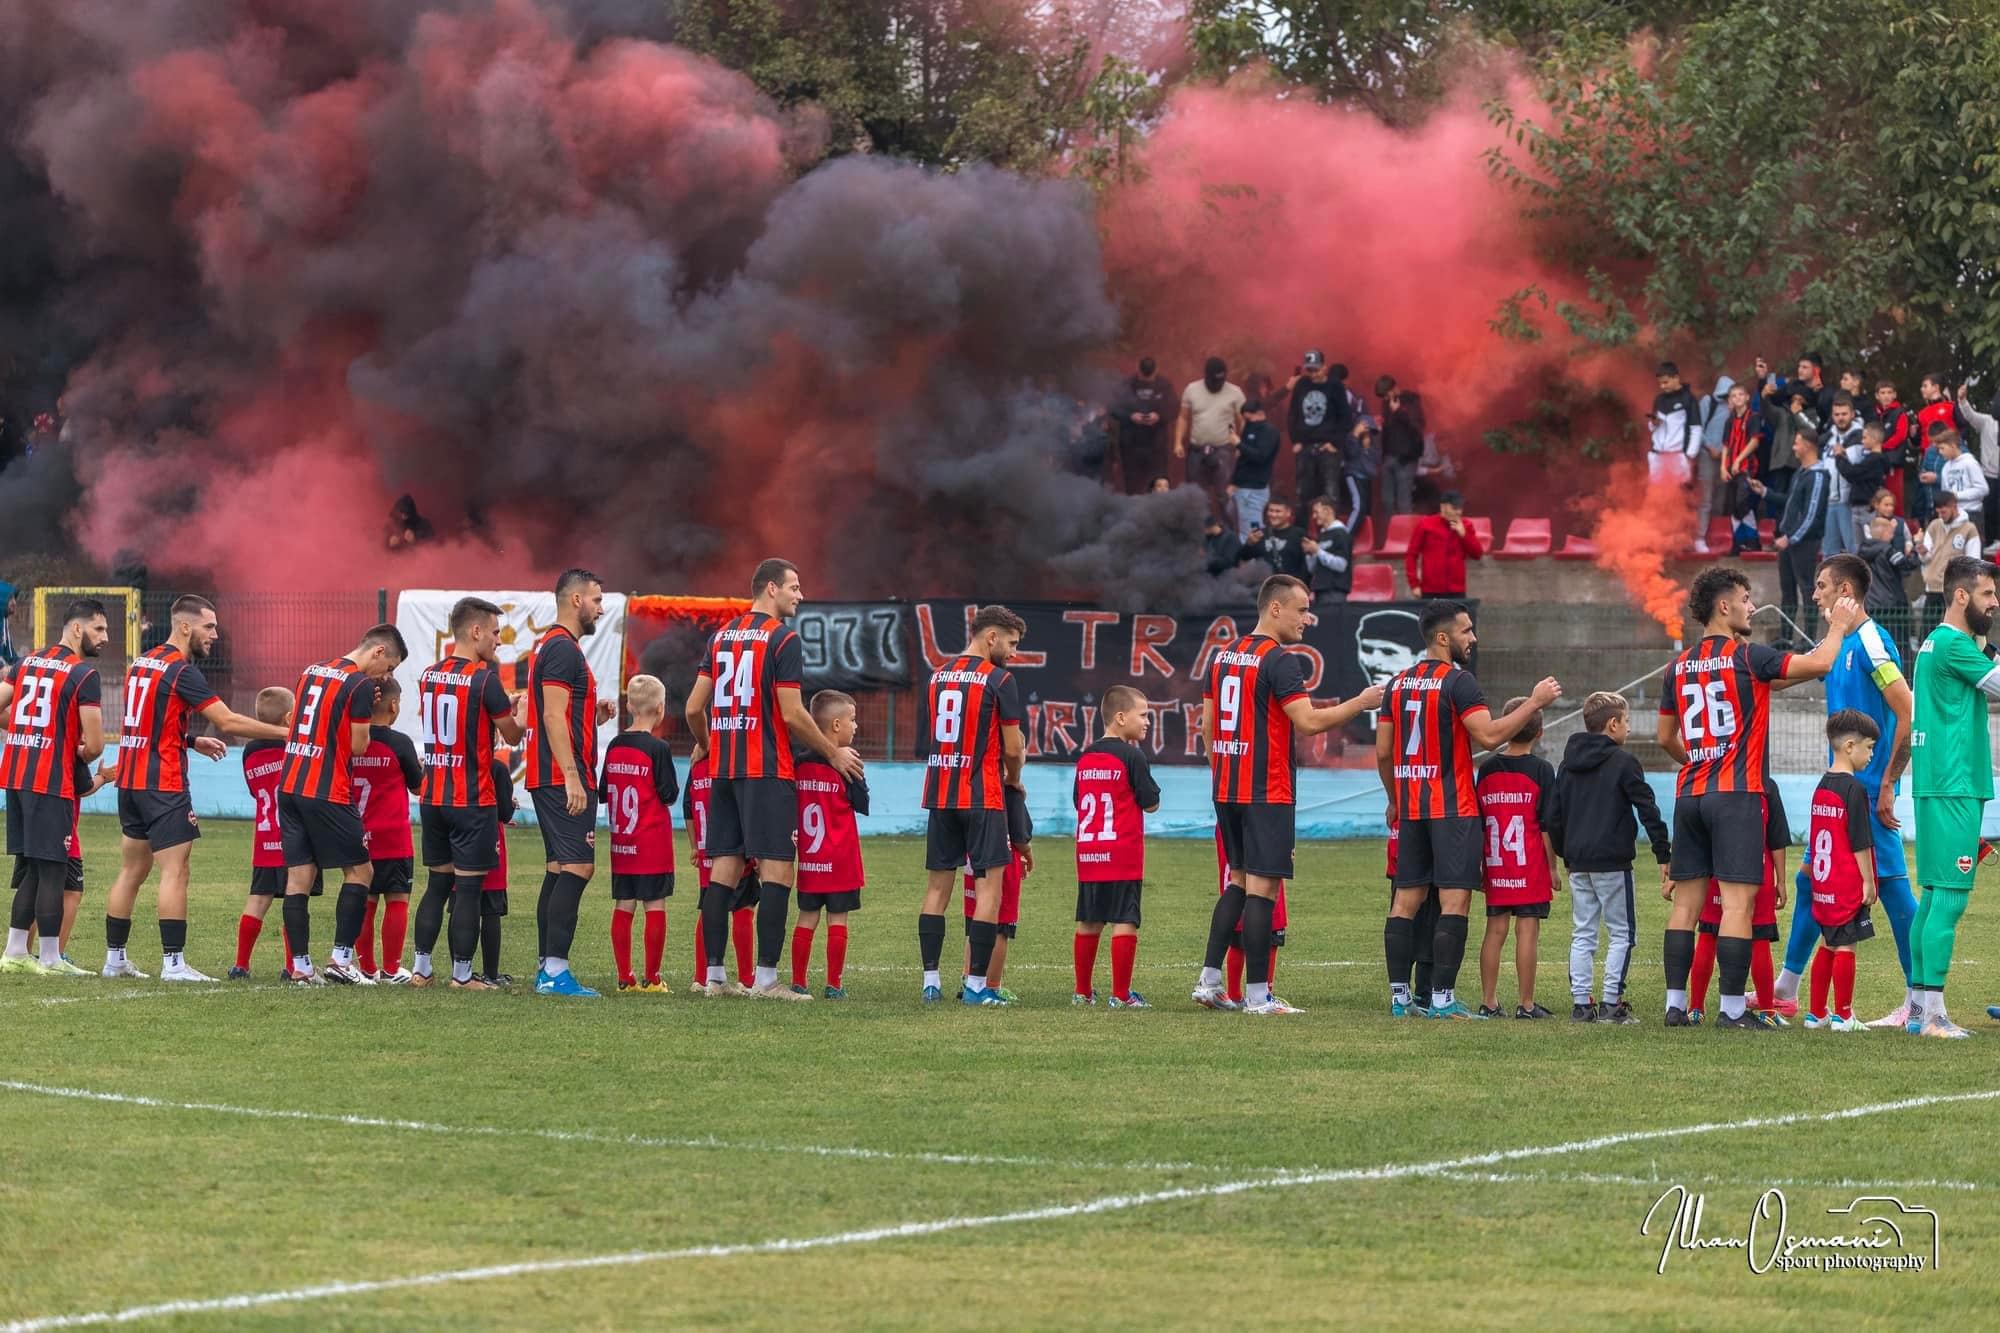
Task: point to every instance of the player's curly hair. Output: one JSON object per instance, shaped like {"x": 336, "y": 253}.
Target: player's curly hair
{"x": 1709, "y": 585}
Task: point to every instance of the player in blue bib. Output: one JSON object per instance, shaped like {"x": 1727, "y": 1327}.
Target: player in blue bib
{"x": 1868, "y": 678}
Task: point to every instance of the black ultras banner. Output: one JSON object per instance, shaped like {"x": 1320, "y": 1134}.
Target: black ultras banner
{"x": 1071, "y": 654}
{"x": 855, "y": 646}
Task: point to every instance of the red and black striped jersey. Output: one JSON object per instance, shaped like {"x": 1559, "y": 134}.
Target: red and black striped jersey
{"x": 51, "y": 690}
{"x": 559, "y": 661}
{"x": 749, "y": 660}
{"x": 1425, "y": 710}
{"x": 319, "y": 755}
{"x": 162, "y": 689}
{"x": 1720, "y": 691}
{"x": 457, "y": 700}
{"x": 966, "y": 705}
{"x": 1249, "y": 684}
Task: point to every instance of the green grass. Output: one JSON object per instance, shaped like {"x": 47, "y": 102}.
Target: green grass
{"x": 109, "y": 1205}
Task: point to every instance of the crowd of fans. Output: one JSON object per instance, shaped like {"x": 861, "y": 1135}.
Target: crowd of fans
{"x": 1353, "y": 460}
{"x": 1834, "y": 468}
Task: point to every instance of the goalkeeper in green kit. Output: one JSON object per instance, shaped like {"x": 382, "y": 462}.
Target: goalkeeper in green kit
{"x": 1951, "y": 762}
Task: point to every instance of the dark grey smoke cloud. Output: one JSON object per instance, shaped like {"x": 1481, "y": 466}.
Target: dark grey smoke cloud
{"x": 565, "y": 285}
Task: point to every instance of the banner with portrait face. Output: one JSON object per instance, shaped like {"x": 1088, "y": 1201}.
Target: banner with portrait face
{"x": 1071, "y": 654}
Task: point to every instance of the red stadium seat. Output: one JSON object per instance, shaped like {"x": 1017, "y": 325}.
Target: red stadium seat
{"x": 1482, "y": 528}
{"x": 1527, "y": 539}
{"x": 1363, "y": 537}
{"x": 1718, "y": 532}
{"x": 1373, "y": 583}
{"x": 1397, "y": 542}
{"x": 1577, "y": 548}
{"x": 1760, "y": 557}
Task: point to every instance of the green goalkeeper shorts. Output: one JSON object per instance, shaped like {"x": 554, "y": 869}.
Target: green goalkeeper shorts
{"x": 1947, "y": 840}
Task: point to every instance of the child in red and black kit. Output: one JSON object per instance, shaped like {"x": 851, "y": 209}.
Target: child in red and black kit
{"x": 1763, "y": 924}
{"x": 743, "y": 911}
{"x": 830, "y": 874}
{"x": 263, "y": 763}
{"x": 1020, "y": 833}
{"x": 638, "y": 788}
{"x": 1514, "y": 789}
{"x": 381, "y": 773}
{"x": 1841, "y": 861}
{"x": 1113, "y": 791}
{"x": 493, "y": 889}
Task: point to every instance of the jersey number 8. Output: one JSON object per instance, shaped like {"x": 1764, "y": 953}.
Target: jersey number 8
{"x": 1822, "y": 852}
{"x": 950, "y": 716}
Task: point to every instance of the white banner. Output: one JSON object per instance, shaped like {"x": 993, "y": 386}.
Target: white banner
{"x": 424, "y": 616}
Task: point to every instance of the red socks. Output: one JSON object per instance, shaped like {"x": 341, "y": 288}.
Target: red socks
{"x": 1822, "y": 980}
{"x": 1761, "y": 975}
{"x": 700, "y": 951}
{"x": 1085, "y": 950}
{"x": 656, "y": 945}
{"x": 1702, "y": 970}
{"x": 1233, "y": 969}
{"x": 1124, "y": 952}
{"x": 1843, "y": 983}
{"x": 364, "y": 948}
{"x": 395, "y": 925}
{"x": 802, "y": 952}
{"x": 743, "y": 933}
{"x": 1272, "y": 975}
{"x": 248, "y": 928}
{"x": 836, "y": 954}
{"x": 286, "y": 936}
{"x": 621, "y": 945}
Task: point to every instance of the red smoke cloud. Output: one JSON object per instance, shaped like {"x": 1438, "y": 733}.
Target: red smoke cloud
{"x": 1636, "y": 538}
{"x": 574, "y": 296}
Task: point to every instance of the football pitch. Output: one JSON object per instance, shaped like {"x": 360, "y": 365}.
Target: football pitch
{"x": 357, "y": 1158}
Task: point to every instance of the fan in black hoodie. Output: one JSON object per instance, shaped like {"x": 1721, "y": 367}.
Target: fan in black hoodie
{"x": 1598, "y": 788}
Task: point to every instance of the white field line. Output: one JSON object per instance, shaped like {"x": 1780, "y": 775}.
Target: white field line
{"x": 705, "y": 1143}
{"x": 193, "y": 989}
{"x": 911, "y": 1230}
{"x": 1657, "y": 1181}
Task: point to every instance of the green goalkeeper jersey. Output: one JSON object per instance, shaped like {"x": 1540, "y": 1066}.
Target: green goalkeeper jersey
{"x": 1949, "y": 751}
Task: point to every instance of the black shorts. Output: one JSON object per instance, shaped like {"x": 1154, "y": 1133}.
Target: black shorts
{"x": 567, "y": 839}
{"x": 1850, "y": 932}
{"x": 161, "y": 819}
{"x": 269, "y": 882}
{"x": 1763, "y": 930}
{"x": 1539, "y": 911}
{"x": 1115, "y": 901}
{"x": 39, "y": 825}
{"x": 392, "y": 876}
{"x": 633, "y": 888}
{"x": 72, "y": 883}
{"x": 1448, "y": 852}
{"x": 1258, "y": 839}
{"x": 958, "y": 836}
{"x": 464, "y": 837}
{"x": 320, "y": 833}
{"x": 1002, "y": 930}
{"x": 493, "y": 902}
{"x": 748, "y": 890}
{"x": 1719, "y": 836}
{"x": 756, "y": 818}
{"x": 847, "y": 900}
